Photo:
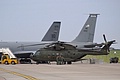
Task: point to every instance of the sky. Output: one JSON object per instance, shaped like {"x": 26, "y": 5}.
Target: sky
{"x": 29, "y": 20}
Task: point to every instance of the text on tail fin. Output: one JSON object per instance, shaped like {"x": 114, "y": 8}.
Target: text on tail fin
{"x": 88, "y": 30}
{"x": 53, "y": 32}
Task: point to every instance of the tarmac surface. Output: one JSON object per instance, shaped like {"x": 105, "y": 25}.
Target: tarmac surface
{"x": 75, "y": 71}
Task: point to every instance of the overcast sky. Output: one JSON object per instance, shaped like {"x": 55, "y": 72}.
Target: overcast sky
{"x": 28, "y": 20}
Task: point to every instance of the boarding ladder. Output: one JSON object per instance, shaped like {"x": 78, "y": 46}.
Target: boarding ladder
{"x": 7, "y": 51}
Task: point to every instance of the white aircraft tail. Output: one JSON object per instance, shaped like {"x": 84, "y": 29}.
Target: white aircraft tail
{"x": 88, "y": 30}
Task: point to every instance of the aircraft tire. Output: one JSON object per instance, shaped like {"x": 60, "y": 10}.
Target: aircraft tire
{"x": 69, "y": 62}
{"x": 37, "y": 63}
{"x": 25, "y": 61}
{"x": 44, "y": 62}
{"x": 64, "y": 62}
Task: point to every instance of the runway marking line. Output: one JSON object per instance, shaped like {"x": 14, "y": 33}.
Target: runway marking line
{"x": 19, "y": 74}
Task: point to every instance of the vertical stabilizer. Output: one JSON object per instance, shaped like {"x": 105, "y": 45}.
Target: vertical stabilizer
{"x": 53, "y": 32}
{"x": 88, "y": 30}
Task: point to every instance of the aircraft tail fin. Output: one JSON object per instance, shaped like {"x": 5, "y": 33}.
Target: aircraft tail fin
{"x": 53, "y": 32}
{"x": 88, "y": 30}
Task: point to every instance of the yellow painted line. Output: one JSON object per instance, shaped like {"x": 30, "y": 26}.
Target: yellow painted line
{"x": 19, "y": 74}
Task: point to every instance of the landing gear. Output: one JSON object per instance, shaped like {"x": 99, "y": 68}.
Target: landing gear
{"x": 64, "y": 62}
{"x": 69, "y": 62}
{"x": 37, "y": 62}
{"x": 25, "y": 61}
{"x": 42, "y": 62}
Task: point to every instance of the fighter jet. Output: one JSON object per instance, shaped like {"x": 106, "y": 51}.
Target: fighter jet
{"x": 24, "y": 52}
{"x": 81, "y": 46}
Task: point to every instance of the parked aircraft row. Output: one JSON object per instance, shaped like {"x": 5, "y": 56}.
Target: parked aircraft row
{"x": 24, "y": 52}
{"x": 81, "y": 46}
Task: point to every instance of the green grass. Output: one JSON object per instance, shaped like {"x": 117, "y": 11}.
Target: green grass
{"x": 105, "y": 58}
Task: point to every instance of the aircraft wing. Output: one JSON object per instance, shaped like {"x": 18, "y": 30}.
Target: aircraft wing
{"x": 23, "y": 54}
